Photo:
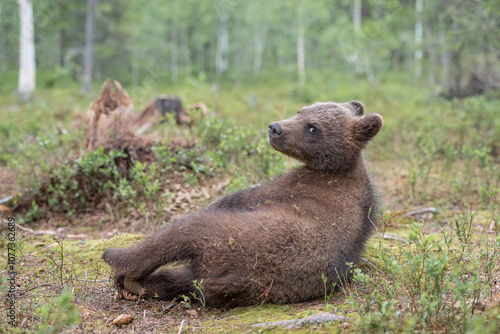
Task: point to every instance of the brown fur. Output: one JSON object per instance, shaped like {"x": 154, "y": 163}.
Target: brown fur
{"x": 271, "y": 243}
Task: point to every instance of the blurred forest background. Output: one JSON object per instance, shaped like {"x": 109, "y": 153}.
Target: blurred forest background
{"x": 453, "y": 46}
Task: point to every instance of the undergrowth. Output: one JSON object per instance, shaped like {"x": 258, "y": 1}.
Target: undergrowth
{"x": 103, "y": 175}
{"x": 431, "y": 283}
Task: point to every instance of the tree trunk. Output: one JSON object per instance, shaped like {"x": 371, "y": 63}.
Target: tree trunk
{"x": 62, "y": 34}
{"x": 260, "y": 43}
{"x": 89, "y": 43}
{"x": 222, "y": 44}
{"x": 356, "y": 15}
{"x": 200, "y": 54}
{"x": 135, "y": 67}
{"x": 3, "y": 57}
{"x": 174, "y": 66}
{"x": 62, "y": 47}
{"x": 27, "y": 66}
{"x": 301, "y": 63}
{"x": 419, "y": 32}
{"x": 186, "y": 53}
{"x": 445, "y": 60}
{"x": 356, "y": 20}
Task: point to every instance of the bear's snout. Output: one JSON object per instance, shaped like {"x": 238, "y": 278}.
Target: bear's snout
{"x": 274, "y": 131}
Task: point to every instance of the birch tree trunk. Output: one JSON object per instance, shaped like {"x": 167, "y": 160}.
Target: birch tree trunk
{"x": 89, "y": 43}
{"x": 356, "y": 20}
{"x": 135, "y": 67}
{"x": 419, "y": 32}
{"x": 62, "y": 34}
{"x": 222, "y": 41}
{"x": 2, "y": 46}
{"x": 260, "y": 43}
{"x": 200, "y": 54}
{"x": 301, "y": 63}
{"x": 184, "y": 45}
{"x": 174, "y": 64}
{"x": 27, "y": 66}
{"x": 356, "y": 15}
{"x": 445, "y": 60}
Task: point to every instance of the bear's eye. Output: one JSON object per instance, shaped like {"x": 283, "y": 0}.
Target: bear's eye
{"x": 312, "y": 129}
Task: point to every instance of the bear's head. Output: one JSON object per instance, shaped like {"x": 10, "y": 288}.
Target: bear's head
{"x": 326, "y": 136}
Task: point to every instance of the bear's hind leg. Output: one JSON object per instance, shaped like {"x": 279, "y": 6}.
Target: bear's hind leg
{"x": 141, "y": 260}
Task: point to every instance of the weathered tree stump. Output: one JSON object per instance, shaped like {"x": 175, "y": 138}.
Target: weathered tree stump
{"x": 111, "y": 116}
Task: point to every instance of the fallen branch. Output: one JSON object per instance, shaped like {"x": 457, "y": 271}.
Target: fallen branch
{"x": 182, "y": 326}
{"x": 313, "y": 319}
{"x": 52, "y": 232}
{"x": 368, "y": 262}
{"x": 390, "y": 236}
{"x": 421, "y": 211}
{"x": 6, "y": 199}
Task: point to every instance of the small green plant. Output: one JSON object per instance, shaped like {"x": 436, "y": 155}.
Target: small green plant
{"x": 186, "y": 301}
{"x": 200, "y": 296}
{"x": 324, "y": 278}
{"x": 33, "y": 213}
{"x": 58, "y": 314}
{"x": 385, "y": 217}
{"x": 462, "y": 225}
{"x": 164, "y": 156}
{"x": 57, "y": 260}
{"x": 191, "y": 179}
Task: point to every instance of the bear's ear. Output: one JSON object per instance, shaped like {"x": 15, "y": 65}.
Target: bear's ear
{"x": 357, "y": 108}
{"x": 367, "y": 127}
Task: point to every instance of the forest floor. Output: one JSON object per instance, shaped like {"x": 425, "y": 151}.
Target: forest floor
{"x": 432, "y": 266}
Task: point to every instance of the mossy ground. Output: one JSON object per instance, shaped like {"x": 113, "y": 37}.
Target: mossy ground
{"x": 430, "y": 153}
{"x": 40, "y": 279}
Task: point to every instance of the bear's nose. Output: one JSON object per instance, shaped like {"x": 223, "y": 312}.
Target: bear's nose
{"x": 274, "y": 130}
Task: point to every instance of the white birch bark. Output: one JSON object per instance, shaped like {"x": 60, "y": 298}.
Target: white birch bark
{"x": 445, "y": 60}
{"x": 419, "y": 32}
{"x": 301, "y": 62}
{"x": 174, "y": 64}
{"x": 260, "y": 43}
{"x": 200, "y": 54}
{"x": 356, "y": 20}
{"x": 89, "y": 43}
{"x": 135, "y": 67}
{"x": 356, "y": 15}
{"x": 27, "y": 66}
{"x": 222, "y": 41}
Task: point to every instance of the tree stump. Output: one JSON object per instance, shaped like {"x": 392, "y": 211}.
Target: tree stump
{"x": 111, "y": 116}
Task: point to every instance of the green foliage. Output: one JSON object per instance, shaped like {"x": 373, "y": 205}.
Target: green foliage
{"x": 324, "y": 278}
{"x": 199, "y": 295}
{"x": 56, "y": 259}
{"x": 424, "y": 286}
{"x": 95, "y": 176}
{"x": 58, "y": 314}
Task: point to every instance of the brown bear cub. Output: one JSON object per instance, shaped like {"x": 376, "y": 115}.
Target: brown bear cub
{"x": 270, "y": 243}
